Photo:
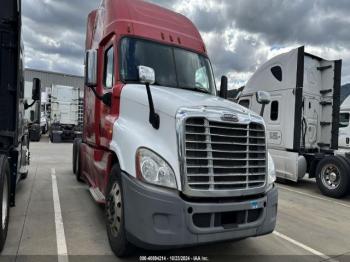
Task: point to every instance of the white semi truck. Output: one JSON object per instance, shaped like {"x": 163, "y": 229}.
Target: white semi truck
{"x": 302, "y": 119}
{"x": 158, "y": 139}
{"x": 64, "y": 124}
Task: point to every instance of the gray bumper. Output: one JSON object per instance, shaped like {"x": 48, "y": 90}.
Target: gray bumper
{"x": 157, "y": 218}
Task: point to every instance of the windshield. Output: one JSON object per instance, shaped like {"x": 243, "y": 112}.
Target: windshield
{"x": 174, "y": 67}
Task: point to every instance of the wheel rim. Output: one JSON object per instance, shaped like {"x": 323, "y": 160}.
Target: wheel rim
{"x": 114, "y": 209}
{"x": 330, "y": 176}
{"x": 4, "y": 202}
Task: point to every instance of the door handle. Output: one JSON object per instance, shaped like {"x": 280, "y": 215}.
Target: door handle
{"x": 347, "y": 140}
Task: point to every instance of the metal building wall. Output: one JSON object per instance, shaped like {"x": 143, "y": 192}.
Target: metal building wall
{"x": 51, "y": 78}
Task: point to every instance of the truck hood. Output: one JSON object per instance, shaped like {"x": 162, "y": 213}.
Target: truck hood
{"x": 169, "y": 100}
{"x": 132, "y": 130}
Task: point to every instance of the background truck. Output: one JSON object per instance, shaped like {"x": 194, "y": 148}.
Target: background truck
{"x": 14, "y": 140}
{"x": 174, "y": 164}
{"x": 64, "y": 113}
{"x": 303, "y": 118}
{"x": 44, "y": 112}
{"x": 33, "y": 115}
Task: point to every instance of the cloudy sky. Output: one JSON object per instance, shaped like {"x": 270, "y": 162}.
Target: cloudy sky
{"x": 239, "y": 34}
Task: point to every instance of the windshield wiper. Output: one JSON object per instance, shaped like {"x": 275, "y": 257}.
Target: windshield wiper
{"x": 197, "y": 89}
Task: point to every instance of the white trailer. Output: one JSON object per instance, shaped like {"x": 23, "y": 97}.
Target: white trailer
{"x": 303, "y": 118}
{"x": 64, "y": 113}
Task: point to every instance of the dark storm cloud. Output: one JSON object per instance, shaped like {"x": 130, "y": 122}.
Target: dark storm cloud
{"x": 315, "y": 22}
{"x": 54, "y": 33}
{"x": 240, "y": 34}
{"x": 243, "y": 59}
{"x": 59, "y": 14}
{"x": 275, "y": 23}
{"x": 210, "y": 20}
{"x": 164, "y": 3}
{"x": 280, "y": 21}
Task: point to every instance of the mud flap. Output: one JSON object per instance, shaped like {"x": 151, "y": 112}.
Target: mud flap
{"x": 14, "y": 177}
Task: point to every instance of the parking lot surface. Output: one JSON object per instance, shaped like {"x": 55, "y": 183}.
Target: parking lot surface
{"x": 55, "y": 215}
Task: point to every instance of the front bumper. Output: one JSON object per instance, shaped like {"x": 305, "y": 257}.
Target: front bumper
{"x": 156, "y": 218}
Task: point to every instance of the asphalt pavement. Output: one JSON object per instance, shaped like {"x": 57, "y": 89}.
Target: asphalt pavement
{"x": 56, "y": 219}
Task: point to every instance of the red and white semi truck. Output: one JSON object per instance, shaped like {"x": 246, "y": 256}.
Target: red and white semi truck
{"x": 174, "y": 163}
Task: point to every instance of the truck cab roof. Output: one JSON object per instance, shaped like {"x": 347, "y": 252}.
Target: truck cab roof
{"x": 144, "y": 20}
{"x": 345, "y": 106}
{"x": 282, "y": 72}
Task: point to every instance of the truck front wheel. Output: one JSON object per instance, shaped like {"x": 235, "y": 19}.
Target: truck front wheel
{"x": 76, "y": 159}
{"x": 4, "y": 198}
{"x": 115, "y": 216}
{"x": 332, "y": 177}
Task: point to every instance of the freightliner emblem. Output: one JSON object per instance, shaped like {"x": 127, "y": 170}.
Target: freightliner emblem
{"x": 230, "y": 117}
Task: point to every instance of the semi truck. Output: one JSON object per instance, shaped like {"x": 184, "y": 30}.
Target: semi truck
{"x": 174, "y": 163}
{"x": 33, "y": 116}
{"x": 64, "y": 113}
{"x": 14, "y": 136}
{"x": 303, "y": 118}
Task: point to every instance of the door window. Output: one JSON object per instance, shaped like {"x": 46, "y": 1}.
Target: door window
{"x": 344, "y": 120}
{"x": 274, "y": 111}
{"x": 277, "y": 72}
{"x": 109, "y": 68}
{"x": 245, "y": 103}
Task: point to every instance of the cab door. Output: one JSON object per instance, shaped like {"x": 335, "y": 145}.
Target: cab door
{"x": 344, "y": 130}
{"x": 106, "y": 113}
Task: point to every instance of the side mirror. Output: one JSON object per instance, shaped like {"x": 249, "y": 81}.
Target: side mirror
{"x": 223, "y": 87}
{"x": 36, "y": 92}
{"x": 263, "y": 98}
{"x": 147, "y": 75}
{"x": 91, "y": 68}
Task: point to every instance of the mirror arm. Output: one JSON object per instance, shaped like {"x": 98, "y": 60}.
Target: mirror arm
{"x": 26, "y": 106}
{"x": 153, "y": 116}
{"x": 262, "y": 110}
{"x": 96, "y": 94}
{"x": 106, "y": 99}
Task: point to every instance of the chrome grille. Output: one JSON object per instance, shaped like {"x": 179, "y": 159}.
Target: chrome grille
{"x": 224, "y": 156}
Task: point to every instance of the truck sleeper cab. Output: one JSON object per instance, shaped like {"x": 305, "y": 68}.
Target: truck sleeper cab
{"x": 64, "y": 113}
{"x": 174, "y": 164}
{"x": 303, "y": 118}
{"x": 14, "y": 135}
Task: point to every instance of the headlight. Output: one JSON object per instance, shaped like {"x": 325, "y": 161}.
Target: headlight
{"x": 153, "y": 169}
{"x": 271, "y": 171}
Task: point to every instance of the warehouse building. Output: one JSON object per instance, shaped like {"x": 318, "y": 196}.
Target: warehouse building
{"x": 52, "y": 78}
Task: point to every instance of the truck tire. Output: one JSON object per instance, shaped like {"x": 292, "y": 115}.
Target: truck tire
{"x": 35, "y": 136}
{"x": 55, "y": 138}
{"x": 4, "y": 198}
{"x": 115, "y": 217}
{"x": 76, "y": 160}
{"x": 347, "y": 158}
{"x": 332, "y": 177}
